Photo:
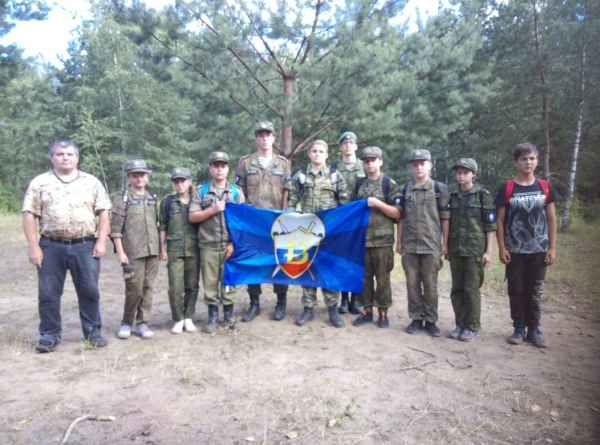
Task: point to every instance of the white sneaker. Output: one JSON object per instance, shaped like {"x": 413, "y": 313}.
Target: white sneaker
{"x": 178, "y": 327}
{"x": 124, "y": 332}
{"x": 143, "y": 331}
{"x": 188, "y": 324}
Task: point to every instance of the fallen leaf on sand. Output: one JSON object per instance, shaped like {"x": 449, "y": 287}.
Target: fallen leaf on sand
{"x": 331, "y": 422}
{"x": 536, "y": 408}
{"x": 553, "y": 413}
{"x": 250, "y": 439}
{"x": 593, "y": 408}
{"x": 292, "y": 434}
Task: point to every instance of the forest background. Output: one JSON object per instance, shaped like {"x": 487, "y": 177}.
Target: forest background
{"x": 173, "y": 85}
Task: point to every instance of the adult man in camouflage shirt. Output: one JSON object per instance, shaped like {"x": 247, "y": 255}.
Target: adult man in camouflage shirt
{"x": 265, "y": 180}
{"x": 316, "y": 188}
{"x": 351, "y": 169}
{"x": 71, "y": 207}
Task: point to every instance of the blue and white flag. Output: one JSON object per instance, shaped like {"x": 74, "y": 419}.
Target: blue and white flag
{"x": 323, "y": 249}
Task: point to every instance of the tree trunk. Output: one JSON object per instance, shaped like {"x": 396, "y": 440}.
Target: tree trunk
{"x": 571, "y": 190}
{"x": 545, "y": 104}
{"x": 286, "y": 130}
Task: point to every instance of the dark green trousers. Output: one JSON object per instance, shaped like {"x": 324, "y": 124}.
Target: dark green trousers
{"x": 139, "y": 277}
{"x": 184, "y": 276}
{"x": 467, "y": 278}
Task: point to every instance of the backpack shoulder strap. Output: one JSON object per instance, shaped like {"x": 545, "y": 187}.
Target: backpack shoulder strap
{"x": 333, "y": 175}
{"x": 510, "y": 185}
{"x": 385, "y": 185}
{"x": 358, "y": 184}
{"x": 545, "y": 188}
{"x": 168, "y": 209}
{"x": 204, "y": 189}
{"x": 234, "y": 192}
{"x": 436, "y": 187}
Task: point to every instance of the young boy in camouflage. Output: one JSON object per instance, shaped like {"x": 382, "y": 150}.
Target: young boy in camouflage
{"x": 526, "y": 242}
{"x": 316, "y": 190}
{"x": 207, "y": 206}
{"x": 351, "y": 169}
{"x": 134, "y": 231}
{"x": 383, "y": 196}
{"x": 265, "y": 180}
{"x": 422, "y": 239}
{"x": 472, "y": 227}
{"x": 179, "y": 247}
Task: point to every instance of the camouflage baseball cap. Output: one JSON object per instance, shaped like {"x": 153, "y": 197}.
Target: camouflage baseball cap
{"x": 137, "y": 165}
{"x": 469, "y": 163}
{"x": 420, "y": 155}
{"x": 264, "y": 126}
{"x": 218, "y": 156}
{"x": 181, "y": 172}
{"x": 347, "y": 135}
{"x": 372, "y": 152}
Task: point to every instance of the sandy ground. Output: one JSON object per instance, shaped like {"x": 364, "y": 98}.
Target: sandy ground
{"x": 274, "y": 383}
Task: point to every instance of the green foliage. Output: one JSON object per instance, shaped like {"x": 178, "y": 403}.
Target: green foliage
{"x": 8, "y": 200}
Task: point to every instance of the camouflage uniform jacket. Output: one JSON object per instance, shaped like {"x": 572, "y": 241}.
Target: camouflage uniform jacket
{"x": 380, "y": 232}
{"x": 263, "y": 188}
{"x": 135, "y": 221}
{"x": 318, "y": 193}
{"x": 422, "y": 213}
{"x": 67, "y": 210}
{"x": 472, "y": 213}
{"x": 213, "y": 233}
{"x": 351, "y": 174}
{"x": 182, "y": 236}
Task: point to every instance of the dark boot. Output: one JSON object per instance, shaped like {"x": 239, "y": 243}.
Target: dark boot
{"x": 228, "y": 316}
{"x": 305, "y": 316}
{"x": 213, "y": 319}
{"x": 280, "y": 307}
{"x": 343, "y": 309}
{"x": 334, "y": 317}
{"x": 253, "y": 310}
{"x": 355, "y": 307}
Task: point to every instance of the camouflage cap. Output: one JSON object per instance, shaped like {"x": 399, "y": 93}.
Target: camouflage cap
{"x": 469, "y": 163}
{"x": 137, "y": 165}
{"x": 264, "y": 126}
{"x": 181, "y": 172}
{"x": 218, "y": 156}
{"x": 347, "y": 135}
{"x": 372, "y": 152}
{"x": 420, "y": 155}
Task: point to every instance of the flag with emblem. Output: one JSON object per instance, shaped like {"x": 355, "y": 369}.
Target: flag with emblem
{"x": 323, "y": 249}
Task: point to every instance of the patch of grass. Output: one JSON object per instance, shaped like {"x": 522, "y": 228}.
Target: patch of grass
{"x": 13, "y": 342}
{"x": 84, "y": 345}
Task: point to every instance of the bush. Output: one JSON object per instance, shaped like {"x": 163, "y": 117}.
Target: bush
{"x": 8, "y": 200}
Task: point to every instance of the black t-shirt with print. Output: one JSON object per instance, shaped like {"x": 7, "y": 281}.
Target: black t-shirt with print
{"x": 525, "y": 223}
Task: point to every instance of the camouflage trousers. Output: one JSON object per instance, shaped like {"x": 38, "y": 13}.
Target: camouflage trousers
{"x": 309, "y": 296}
{"x": 467, "y": 278}
{"x": 139, "y": 277}
{"x": 421, "y": 272}
{"x": 184, "y": 276}
{"x": 211, "y": 266}
{"x": 379, "y": 262}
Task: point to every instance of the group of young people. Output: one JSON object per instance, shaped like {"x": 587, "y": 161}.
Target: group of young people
{"x": 422, "y": 219}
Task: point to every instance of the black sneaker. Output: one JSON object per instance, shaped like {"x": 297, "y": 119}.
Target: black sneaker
{"x": 517, "y": 337}
{"x": 432, "y": 329}
{"x": 536, "y": 339}
{"x": 97, "y": 340}
{"x": 383, "y": 321}
{"x": 415, "y": 326}
{"x": 47, "y": 344}
{"x": 364, "y": 318}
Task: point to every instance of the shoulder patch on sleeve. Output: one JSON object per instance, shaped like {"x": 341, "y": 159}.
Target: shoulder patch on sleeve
{"x": 489, "y": 216}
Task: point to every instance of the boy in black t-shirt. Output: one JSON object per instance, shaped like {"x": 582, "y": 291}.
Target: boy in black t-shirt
{"x": 527, "y": 242}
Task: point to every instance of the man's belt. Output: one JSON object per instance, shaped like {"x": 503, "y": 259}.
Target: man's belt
{"x": 71, "y": 240}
